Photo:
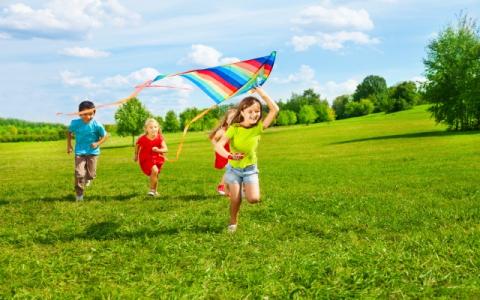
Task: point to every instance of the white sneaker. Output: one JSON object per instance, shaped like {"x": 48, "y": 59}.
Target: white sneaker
{"x": 79, "y": 197}
{"x": 152, "y": 193}
{"x": 88, "y": 183}
{"x": 232, "y": 228}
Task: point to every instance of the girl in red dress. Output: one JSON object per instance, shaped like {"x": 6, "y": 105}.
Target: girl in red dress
{"x": 215, "y": 135}
{"x": 149, "y": 152}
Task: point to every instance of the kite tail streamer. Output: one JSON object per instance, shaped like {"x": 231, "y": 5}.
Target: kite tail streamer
{"x": 196, "y": 118}
{"x": 138, "y": 89}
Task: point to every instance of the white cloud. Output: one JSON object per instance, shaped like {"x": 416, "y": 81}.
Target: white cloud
{"x": 302, "y": 43}
{"x": 420, "y": 79}
{"x": 331, "y": 27}
{"x": 305, "y": 74}
{"x": 176, "y": 84}
{"x": 4, "y": 36}
{"x": 338, "y": 17}
{"x": 332, "y": 89}
{"x": 63, "y": 19}
{"x": 332, "y": 41}
{"x": 132, "y": 79}
{"x": 207, "y": 56}
{"x": 73, "y": 79}
{"x": 84, "y": 52}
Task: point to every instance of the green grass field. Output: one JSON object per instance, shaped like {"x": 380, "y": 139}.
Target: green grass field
{"x": 381, "y": 206}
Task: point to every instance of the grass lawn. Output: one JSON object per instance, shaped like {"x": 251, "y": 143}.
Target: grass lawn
{"x": 379, "y": 206}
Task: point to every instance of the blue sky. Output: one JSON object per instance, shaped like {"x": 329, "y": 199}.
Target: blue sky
{"x": 56, "y": 53}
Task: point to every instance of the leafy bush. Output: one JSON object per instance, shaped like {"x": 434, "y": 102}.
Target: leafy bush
{"x": 356, "y": 109}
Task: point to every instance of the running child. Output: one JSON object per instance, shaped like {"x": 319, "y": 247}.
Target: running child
{"x": 89, "y": 135}
{"x": 149, "y": 152}
{"x": 215, "y": 135}
{"x": 243, "y": 135}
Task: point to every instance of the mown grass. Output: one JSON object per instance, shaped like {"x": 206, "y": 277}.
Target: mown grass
{"x": 381, "y": 206}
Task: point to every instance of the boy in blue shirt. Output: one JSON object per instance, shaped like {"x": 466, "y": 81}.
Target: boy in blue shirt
{"x": 89, "y": 135}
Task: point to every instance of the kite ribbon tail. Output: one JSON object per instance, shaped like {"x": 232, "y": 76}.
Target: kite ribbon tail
{"x": 137, "y": 90}
{"x": 196, "y": 118}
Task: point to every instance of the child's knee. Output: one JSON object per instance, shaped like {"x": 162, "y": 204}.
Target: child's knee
{"x": 253, "y": 200}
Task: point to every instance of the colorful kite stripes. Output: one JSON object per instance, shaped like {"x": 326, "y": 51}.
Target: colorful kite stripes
{"x": 223, "y": 82}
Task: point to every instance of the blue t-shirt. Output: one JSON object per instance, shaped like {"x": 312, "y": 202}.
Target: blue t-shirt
{"x": 85, "y": 135}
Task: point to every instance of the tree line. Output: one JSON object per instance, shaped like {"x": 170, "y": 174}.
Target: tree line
{"x": 15, "y": 130}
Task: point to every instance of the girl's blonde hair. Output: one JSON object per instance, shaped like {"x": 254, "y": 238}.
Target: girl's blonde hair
{"x": 223, "y": 123}
{"x": 152, "y": 120}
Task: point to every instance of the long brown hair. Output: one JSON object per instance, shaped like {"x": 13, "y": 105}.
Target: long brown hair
{"x": 223, "y": 123}
{"x": 244, "y": 104}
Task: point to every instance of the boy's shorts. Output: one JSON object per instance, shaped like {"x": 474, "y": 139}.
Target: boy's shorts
{"x": 247, "y": 175}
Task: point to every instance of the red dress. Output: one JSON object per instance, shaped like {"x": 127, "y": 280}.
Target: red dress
{"x": 146, "y": 157}
{"x": 220, "y": 161}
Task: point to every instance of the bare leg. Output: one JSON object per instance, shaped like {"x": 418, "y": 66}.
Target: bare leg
{"x": 252, "y": 192}
{"x": 235, "y": 201}
{"x": 154, "y": 178}
{"x": 227, "y": 190}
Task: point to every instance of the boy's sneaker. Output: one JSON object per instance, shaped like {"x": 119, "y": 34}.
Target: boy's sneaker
{"x": 152, "y": 193}
{"x": 232, "y": 228}
{"x": 221, "y": 189}
{"x": 79, "y": 197}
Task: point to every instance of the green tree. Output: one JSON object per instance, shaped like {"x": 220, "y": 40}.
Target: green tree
{"x": 339, "y": 104}
{"x": 324, "y": 112}
{"x": 292, "y": 117}
{"x": 296, "y": 102}
{"x": 372, "y": 87}
{"x": 356, "y": 109}
{"x": 307, "y": 114}
{"x": 187, "y": 115}
{"x": 452, "y": 69}
{"x": 401, "y": 97}
{"x": 159, "y": 120}
{"x": 12, "y": 129}
{"x": 130, "y": 118}
{"x": 171, "y": 123}
{"x": 282, "y": 118}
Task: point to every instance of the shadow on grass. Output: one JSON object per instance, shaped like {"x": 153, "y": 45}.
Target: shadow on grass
{"x": 117, "y": 147}
{"x": 121, "y": 197}
{"x": 105, "y": 231}
{"x": 71, "y": 198}
{"x": 4, "y": 202}
{"x": 408, "y": 136}
{"x": 192, "y": 197}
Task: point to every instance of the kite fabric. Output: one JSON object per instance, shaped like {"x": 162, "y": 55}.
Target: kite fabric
{"x": 224, "y": 82}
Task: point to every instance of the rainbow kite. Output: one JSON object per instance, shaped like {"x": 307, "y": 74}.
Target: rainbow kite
{"x": 220, "y": 83}
{"x": 227, "y": 81}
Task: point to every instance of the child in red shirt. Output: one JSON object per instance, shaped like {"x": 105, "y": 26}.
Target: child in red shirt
{"x": 149, "y": 152}
{"x": 215, "y": 135}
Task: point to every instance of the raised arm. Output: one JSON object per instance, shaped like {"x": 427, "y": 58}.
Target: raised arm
{"x": 272, "y": 107}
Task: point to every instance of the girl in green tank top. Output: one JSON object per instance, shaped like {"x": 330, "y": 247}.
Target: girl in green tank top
{"x": 243, "y": 136}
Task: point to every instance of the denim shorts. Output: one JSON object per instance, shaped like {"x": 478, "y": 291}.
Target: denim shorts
{"x": 249, "y": 174}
